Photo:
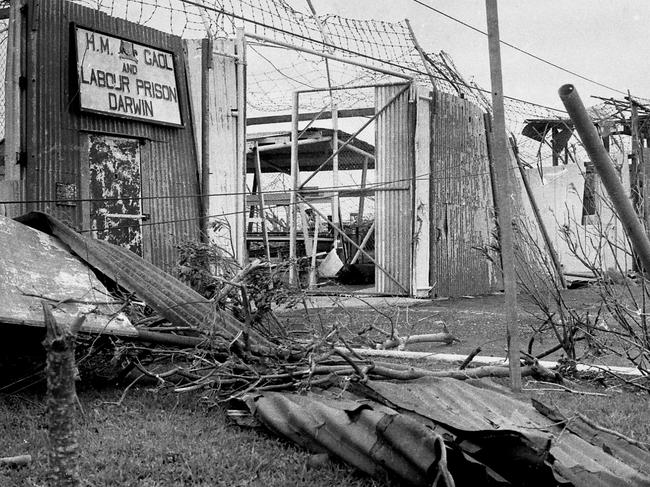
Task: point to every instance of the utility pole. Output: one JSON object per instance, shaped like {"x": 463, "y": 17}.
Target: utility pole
{"x": 503, "y": 188}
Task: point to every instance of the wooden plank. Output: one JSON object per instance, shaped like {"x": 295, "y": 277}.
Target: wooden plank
{"x": 420, "y": 286}
{"x": 262, "y": 206}
{"x": 305, "y": 117}
{"x": 240, "y": 86}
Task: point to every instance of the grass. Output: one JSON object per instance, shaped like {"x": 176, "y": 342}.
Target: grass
{"x": 160, "y": 439}
{"x": 156, "y": 438}
{"x": 623, "y": 411}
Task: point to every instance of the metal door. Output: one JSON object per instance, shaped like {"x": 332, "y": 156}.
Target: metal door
{"x": 115, "y": 191}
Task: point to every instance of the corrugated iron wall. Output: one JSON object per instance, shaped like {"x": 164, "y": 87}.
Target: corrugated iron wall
{"x": 394, "y": 168}
{"x": 56, "y": 135}
{"x": 461, "y": 199}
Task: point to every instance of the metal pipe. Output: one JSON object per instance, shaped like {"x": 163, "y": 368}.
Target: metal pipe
{"x": 329, "y": 56}
{"x": 349, "y": 87}
{"x": 293, "y": 271}
{"x": 603, "y": 164}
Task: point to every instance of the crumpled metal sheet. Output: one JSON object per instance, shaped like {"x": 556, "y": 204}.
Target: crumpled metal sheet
{"x": 371, "y": 439}
{"x": 491, "y": 438}
{"x": 172, "y": 299}
{"x": 479, "y": 411}
{"x": 35, "y": 268}
{"x": 356, "y": 431}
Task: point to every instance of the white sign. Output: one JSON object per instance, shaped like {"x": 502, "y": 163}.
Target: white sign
{"x": 124, "y": 79}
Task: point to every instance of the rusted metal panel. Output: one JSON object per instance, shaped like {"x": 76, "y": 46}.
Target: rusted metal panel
{"x": 376, "y": 440}
{"x": 461, "y": 199}
{"x": 168, "y": 296}
{"x": 490, "y": 436}
{"x": 35, "y": 268}
{"x": 57, "y": 133}
{"x": 481, "y": 412}
{"x": 394, "y": 167}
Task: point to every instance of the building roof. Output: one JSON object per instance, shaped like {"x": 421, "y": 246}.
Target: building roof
{"x": 315, "y": 148}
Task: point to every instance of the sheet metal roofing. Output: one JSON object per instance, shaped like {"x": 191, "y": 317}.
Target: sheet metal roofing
{"x": 583, "y": 455}
{"x": 491, "y": 438}
{"x": 315, "y": 148}
{"x": 171, "y": 298}
{"x": 36, "y": 267}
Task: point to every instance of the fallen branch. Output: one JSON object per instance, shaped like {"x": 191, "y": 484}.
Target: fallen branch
{"x": 443, "y": 337}
{"x": 596, "y": 426}
{"x": 556, "y": 415}
{"x": 563, "y": 388}
{"x": 17, "y": 461}
{"x": 469, "y": 358}
{"x": 412, "y": 373}
{"x": 236, "y": 281}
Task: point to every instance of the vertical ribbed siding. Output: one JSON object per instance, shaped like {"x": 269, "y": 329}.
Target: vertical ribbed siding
{"x": 461, "y": 199}
{"x": 394, "y": 208}
{"x": 56, "y": 130}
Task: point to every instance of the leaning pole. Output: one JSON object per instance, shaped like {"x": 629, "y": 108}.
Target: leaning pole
{"x": 608, "y": 174}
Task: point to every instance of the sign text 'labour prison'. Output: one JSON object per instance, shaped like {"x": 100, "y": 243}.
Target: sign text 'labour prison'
{"x": 121, "y": 78}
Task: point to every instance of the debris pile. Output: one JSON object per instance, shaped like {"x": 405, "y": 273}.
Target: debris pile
{"x": 421, "y": 426}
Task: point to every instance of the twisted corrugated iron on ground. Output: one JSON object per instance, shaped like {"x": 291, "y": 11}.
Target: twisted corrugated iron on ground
{"x": 491, "y": 437}
{"x": 172, "y": 299}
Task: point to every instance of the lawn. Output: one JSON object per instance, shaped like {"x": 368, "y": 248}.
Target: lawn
{"x": 159, "y": 439}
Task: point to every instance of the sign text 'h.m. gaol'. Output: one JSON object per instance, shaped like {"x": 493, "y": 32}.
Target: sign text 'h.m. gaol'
{"x": 122, "y": 78}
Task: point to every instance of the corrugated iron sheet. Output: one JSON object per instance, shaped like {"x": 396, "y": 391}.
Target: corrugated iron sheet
{"x": 480, "y": 410}
{"x": 56, "y": 134}
{"x": 35, "y": 268}
{"x": 394, "y": 168}
{"x": 490, "y": 437}
{"x": 12, "y": 190}
{"x": 374, "y": 440}
{"x": 461, "y": 199}
{"x": 170, "y": 298}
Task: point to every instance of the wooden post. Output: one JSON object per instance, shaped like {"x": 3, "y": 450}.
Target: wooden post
{"x": 293, "y": 274}
{"x": 335, "y": 166}
{"x": 206, "y": 66}
{"x": 363, "y": 244}
{"x": 261, "y": 205}
{"x": 503, "y": 187}
{"x": 313, "y": 278}
{"x": 240, "y": 233}
{"x": 63, "y": 452}
{"x": 362, "y": 198}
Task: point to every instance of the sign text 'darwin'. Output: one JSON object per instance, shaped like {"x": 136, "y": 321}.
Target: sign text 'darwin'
{"x": 122, "y": 78}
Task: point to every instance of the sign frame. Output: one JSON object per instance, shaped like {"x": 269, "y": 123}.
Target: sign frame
{"x": 74, "y": 26}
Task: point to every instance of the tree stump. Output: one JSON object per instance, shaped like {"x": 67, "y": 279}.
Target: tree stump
{"x": 61, "y": 396}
